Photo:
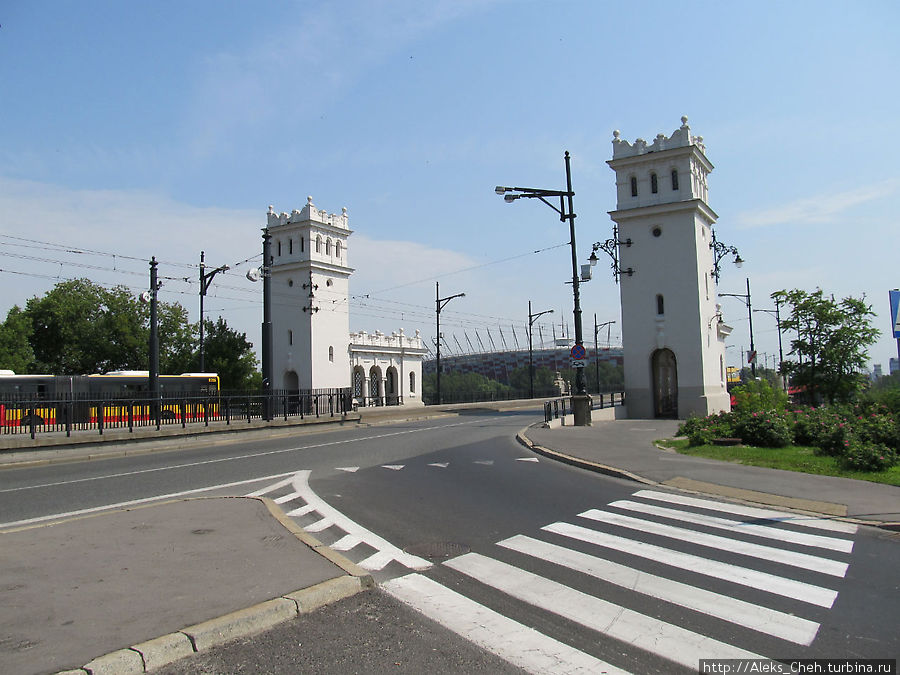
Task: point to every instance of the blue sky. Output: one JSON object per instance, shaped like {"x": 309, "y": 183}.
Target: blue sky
{"x": 136, "y": 129}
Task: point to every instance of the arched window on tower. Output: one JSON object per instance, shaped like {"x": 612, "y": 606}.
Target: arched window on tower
{"x": 318, "y": 243}
{"x": 337, "y": 248}
{"x": 279, "y": 246}
{"x": 674, "y": 179}
{"x": 634, "y": 186}
{"x": 290, "y": 246}
{"x": 301, "y": 244}
{"x": 412, "y": 383}
{"x": 328, "y": 247}
{"x": 660, "y": 305}
{"x": 331, "y": 354}
{"x": 654, "y": 183}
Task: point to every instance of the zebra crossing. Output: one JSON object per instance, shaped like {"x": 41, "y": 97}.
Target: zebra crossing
{"x": 748, "y": 571}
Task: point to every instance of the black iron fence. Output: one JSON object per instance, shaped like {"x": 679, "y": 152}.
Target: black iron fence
{"x": 24, "y": 414}
{"x": 559, "y": 407}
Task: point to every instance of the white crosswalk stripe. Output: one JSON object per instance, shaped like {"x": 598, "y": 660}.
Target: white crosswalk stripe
{"x": 518, "y": 644}
{"x": 737, "y": 526}
{"x": 652, "y": 635}
{"x": 788, "y": 588}
{"x": 762, "y": 619}
{"x": 802, "y": 560}
{"x": 741, "y": 583}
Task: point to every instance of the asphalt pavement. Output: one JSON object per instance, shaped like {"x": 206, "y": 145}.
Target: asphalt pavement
{"x": 131, "y": 590}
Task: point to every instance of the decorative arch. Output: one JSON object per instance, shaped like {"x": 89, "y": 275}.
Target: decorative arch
{"x": 328, "y": 246}
{"x": 318, "y": 243}
{"x": 338, "y": 248}
{"x": 392, "y": 386}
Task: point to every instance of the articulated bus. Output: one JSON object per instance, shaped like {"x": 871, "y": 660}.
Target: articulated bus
{"x": 114, "y": 397}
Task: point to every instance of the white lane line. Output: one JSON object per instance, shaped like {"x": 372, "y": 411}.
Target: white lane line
{"x": 348, "y": 469}
{"x": 252, "y": 455}
{"x": 393, "y": 467}
{"x": 273, "y": 487}
{"x": 751, "y": 512}
{"x": 802, "y": 560}
{"x": 133, "y": 502}
{"x": 301, "y": 511}
{"x": 301, "y": 485}
{"x": 764, "y": 531}
{"x": 762, "y": 619}
{"x": 652, "y": 635}
{"x": 319, "y": 525}
{"x": 440, "y": 465}
{"x": 513, "y": 642}
{"x": 286, "y": 498}
{"x": 345, "y": 543}
{"x": 527, "y": 459}
{"x": 787, "y": 588}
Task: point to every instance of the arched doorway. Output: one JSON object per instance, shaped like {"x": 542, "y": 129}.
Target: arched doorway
{"x": 665, "y": 383}
{"x": 291, "y": 392}
{"x": 391, "y": 387}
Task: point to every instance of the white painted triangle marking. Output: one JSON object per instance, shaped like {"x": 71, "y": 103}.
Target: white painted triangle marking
{"x": 486, "y": 462}
{"x": 348, "y": 469}
{"x": 393, "y": 467}
{"x": 527, "y": 459}
{"x": 440, "y": 465}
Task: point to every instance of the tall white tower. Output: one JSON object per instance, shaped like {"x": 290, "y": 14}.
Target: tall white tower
{"x": 672, "y": 333}
{"x": 310, "y": 293}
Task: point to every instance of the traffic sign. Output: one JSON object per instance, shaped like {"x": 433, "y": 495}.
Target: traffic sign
{"x": 577, "y": 363}
{"x": 578, "y": 353}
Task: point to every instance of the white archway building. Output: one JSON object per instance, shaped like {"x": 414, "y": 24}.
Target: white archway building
{"x": 312, "y": 348}
{"x": 672, "y": 333}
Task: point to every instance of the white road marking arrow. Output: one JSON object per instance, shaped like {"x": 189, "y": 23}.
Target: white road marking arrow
{"x": 348, "y": 469}
{"x": 393, "y": 467}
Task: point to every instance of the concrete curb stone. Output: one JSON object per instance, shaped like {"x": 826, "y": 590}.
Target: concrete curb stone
{"x": 240, "y": 623}
{"x": 164, "y": 650}
{"x": 120, "y": 662}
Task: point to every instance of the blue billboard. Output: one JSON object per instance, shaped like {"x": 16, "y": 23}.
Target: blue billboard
{"x": 895, "y": 319}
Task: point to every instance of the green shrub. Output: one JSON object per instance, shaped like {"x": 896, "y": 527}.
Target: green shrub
{"x": 703, "y": 430}
{"x": 862, "y": 456}
{"x": 764, "y": 430}
{"x": 758, "y": 396}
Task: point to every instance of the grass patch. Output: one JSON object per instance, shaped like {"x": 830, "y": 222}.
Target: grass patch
{"x": 791, "y": 458}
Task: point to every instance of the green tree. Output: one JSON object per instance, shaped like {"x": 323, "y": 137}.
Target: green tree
{"x": 16, "y": 353}
{"x": 543, "y": 381}
{"x": 831, "y": 339}
{"x": 81, "y": 327}
{"x": 177, "y": 339}
{"x": 229, "y": 353}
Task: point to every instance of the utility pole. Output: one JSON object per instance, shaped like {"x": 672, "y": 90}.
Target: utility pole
{"x": 154, "y": 344}
{"x": 205, "y": 280}
{"x": 267, "y": 337}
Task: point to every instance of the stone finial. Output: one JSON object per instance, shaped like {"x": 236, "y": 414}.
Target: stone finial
{"x": 271, "y": 209}
{"x": 344, "y": 210}
{"x": 684, "y": 120}
{"x": 616, "y": 134}
{"x": 309, "y": 201}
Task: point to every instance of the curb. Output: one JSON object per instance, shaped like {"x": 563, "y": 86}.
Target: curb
{"x": 146, "y": 656}
{"x": 750, "y": 497}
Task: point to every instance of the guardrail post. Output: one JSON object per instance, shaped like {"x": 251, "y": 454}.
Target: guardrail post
{"x": 248, "y": 410}
{"x": 101, "y": 408}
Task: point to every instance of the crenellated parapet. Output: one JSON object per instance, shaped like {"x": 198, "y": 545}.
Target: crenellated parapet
{"x": 396, "y": 340}
{"x": 309, "y": 213}
{"x": 680, "y": 138}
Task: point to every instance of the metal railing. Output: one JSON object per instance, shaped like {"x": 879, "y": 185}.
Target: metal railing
{"x": 560, "y": 407}
{"x": 33, "y": 415}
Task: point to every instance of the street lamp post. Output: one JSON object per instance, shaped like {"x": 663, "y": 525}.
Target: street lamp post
{"x": 267, "y": 335}
{"x": 531, "y": 318}
{"x": 439, "y": 304}
{"x": 777, "y": 314}
{"x": 205, "y": 280}
{"x": 581, "y": 402}
{"x": 596, "y": 348}
{"x": 746, "y": 299}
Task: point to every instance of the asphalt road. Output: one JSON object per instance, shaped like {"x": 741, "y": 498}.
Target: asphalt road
{"x": 462, "y": 495}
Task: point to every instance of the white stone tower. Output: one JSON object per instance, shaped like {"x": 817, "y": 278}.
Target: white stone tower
{"x": 672, "y": 334}
{"x": 310, "y": 293}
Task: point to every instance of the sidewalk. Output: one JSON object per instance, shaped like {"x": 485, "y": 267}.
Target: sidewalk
{"x": 625, "y": 448}
{"x": 105, "y": 592}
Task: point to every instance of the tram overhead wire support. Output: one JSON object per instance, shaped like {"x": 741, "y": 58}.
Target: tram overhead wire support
{"x": 611, "y": 248}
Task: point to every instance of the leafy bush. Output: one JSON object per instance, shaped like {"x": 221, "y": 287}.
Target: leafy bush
{"x": 862, "y": 456}
{"x": 758, "y": 396}
{"x": 764, "y": 430}
{"x": 703, "y": 430}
